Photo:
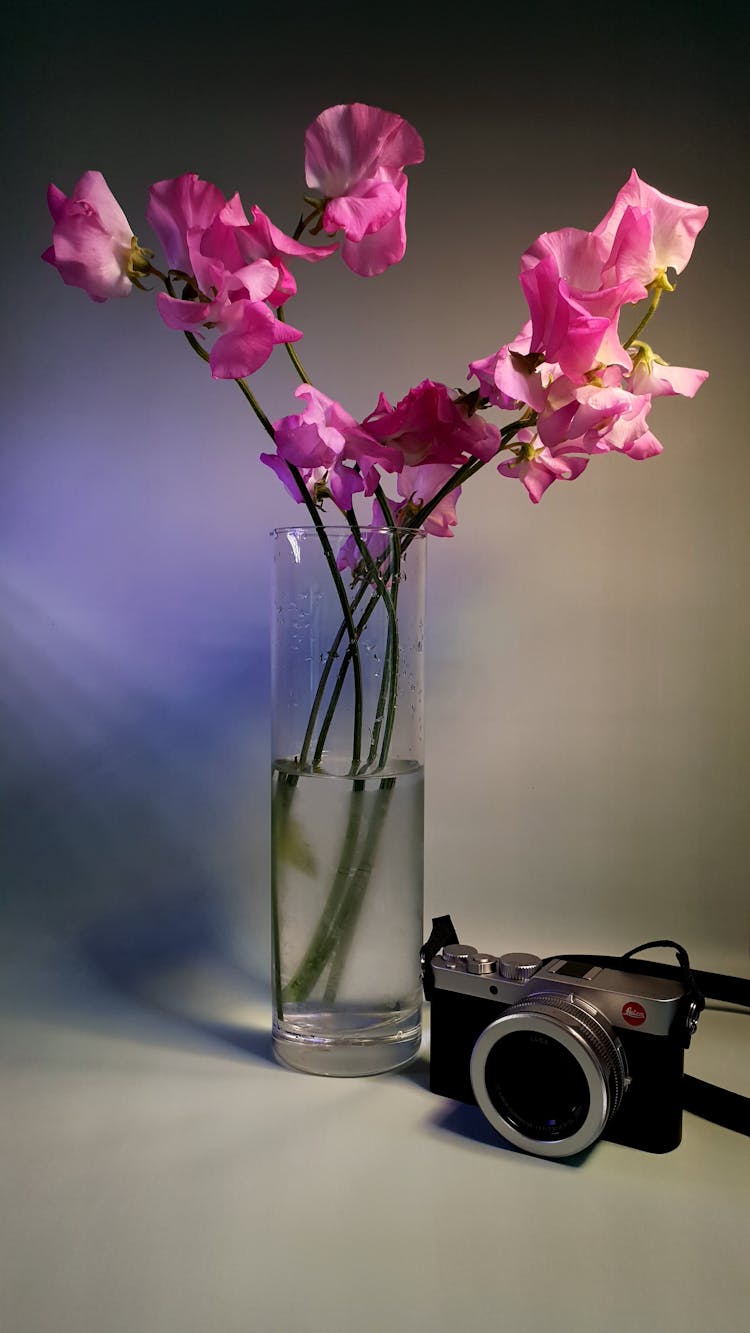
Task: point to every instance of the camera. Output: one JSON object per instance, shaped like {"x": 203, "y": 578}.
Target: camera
{"x": 561, "y": 1052}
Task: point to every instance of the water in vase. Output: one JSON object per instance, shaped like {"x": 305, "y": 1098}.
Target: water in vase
{"x": 347, "y": 918}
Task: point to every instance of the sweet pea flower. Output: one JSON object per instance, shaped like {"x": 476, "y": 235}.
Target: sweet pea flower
{"x": 331, "y": 450}
{"x": 238, "y": 243}
{"x": 601, "y": 419}
{"x": 576, "y": 329}
{"x": 341, "y": 483}
{"x": 229, "y": 299}
{"x": 377, "y": 541}
{"x": 513, "y": 378}
{"x": 93, "y": 246}
{"x": 668, "y": 227}
{"x": 355, "y": 156}
{"x": 537, "y": 466}
{"x": 178, "y": 207}
{"x": 430, "y": 425}
{"x": 249, "y": 330}
{"x": 655, "y": 377}
{"x": 419, "y": 485}
{"x": 595, "y": 276}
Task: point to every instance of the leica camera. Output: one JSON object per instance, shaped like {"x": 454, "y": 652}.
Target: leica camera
{"x": 558, "y": 1054}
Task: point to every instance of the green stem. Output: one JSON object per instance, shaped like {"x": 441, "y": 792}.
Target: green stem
{"x": 298, "y": 366}
{"x": 389, "y": 677}
{"x": 327, "y": 551}
{"x": 654, "y": 302}
{"x": 292, "y": 354}
{"x": 318, "y": 950}
{"x": 280, "y": 804}
{"x": 469, "y": 469}
{"x": 352, "y": 904}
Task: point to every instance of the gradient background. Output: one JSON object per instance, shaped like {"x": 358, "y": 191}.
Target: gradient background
{"x": 587, "y": 717}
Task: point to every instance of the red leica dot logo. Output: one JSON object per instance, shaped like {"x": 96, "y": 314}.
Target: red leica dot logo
{"x": 634, "y": 1013}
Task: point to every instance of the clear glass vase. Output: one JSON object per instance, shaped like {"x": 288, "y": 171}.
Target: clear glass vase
{"x": 347, "y": 797}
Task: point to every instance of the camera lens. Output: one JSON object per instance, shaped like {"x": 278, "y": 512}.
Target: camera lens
{"x": 548, "y": 1074}
{"x": 537, "y": 1085}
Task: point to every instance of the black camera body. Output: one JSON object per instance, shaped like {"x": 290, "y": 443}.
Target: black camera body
{"x": 561, "y": 1053}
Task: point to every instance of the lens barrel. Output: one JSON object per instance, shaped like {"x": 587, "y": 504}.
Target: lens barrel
{"x": 548, "y": 1074}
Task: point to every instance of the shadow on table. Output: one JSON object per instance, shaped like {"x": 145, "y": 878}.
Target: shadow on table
{"x": 169, "y": 960}
{"x": 468, "y": 1123}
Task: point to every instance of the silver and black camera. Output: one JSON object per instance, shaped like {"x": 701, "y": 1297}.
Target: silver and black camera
{"x": 558, "y": 1054}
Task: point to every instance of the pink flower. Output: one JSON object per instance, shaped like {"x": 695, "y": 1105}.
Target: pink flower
{"x": 600, "y": 419}
{"x": 231, "y": 295}
{"x": 341, "y": 483}
{"x": 537, "y": 467}
{"x": 331, "y": 449}
{"x": 249, "y": 330}
{"x": 238, "y": 243}
{"x": 93, "y": 246}
{"x": 668, "y": 227}
{"x": 180, "y": 206}
{"x": 377, "y": 542}
{"x": 419, "y": 485}
{"x": 584, "y": 261}
{"x": 429, "y": 425}
{"x": 355, "y": 156}
{"x": 513, "y": 377}
{"x": 234, "y": 266}
{"x": 653, "y": 376}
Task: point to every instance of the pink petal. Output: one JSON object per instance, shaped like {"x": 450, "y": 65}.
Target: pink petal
{"x": 87, "y": 256}
{"x": 646, "y": 446}
{"x": 533, "y": 475}
{"x": 281, "y": 469}
{"x": 367, "y": 209}
{"x": 182, "y": 314}
{"x": 579, "y": 256}
{"x": 632, "y": 254}
{"x": 504, "y": 380}
{"x": 93, "y": 189}
{"x": 344, "y": 483}
{"x": 379, "y": 250}
{"x": 675, "y": 223}
{"x": 177, "y": 206}
{"x": 348, "y": 143}
{"x": 285, "y": 333}
{"x": 666, "y": 380}
{"x": 247, "y": 347}
{"x": 307, "y": 444}
{"x": 55, "y": 201}
{"x": 259, "y": 279}
{"x": 233, "y": 214}
{"x": 260, "y": 239}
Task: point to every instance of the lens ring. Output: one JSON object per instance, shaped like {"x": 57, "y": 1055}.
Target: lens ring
{"x": 587, "y": 1037}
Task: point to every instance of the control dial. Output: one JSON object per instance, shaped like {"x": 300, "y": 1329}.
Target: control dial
{"x": 518, "y": 966}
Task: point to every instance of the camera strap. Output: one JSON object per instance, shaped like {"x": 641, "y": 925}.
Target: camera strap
{"x": 707, "y": 1100}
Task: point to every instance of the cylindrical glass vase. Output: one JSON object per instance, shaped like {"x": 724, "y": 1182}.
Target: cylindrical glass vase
{"x": 347, "y": 797}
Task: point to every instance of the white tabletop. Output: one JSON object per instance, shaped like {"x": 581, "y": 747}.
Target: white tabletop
{"x": 162, "y": 1173}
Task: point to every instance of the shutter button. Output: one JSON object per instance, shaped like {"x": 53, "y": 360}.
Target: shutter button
{"x": 457, "y": 955}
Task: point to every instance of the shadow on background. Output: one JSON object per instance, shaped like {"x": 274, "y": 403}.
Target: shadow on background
{"x": 113, "y": 806}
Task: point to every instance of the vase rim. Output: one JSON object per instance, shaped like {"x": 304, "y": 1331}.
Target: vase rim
{"x": 336, "y": 528}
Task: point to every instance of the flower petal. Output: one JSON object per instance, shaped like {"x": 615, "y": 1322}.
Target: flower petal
{"x": 248, "y": 346}
{"x": 178, "y": 206}
{"x": 364, "y": 211}
{"x": 380, "y": 249}
{"x": 675, "y": 223}
{"x": 349, "y": 142}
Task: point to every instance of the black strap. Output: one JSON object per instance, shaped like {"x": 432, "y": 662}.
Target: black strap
{"x": 707, "y": 1100}
{"x": 442, "y": 933}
